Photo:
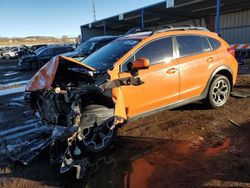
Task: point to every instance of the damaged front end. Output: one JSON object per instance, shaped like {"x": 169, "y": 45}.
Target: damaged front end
{"x": 68, "y": 93}
{"x": 77, "y": 111}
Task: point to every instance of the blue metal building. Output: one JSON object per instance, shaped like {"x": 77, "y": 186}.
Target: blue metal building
{"x": 229, "y": 18}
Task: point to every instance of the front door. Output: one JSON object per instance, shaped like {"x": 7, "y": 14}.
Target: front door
{"x": 160, "y": 81}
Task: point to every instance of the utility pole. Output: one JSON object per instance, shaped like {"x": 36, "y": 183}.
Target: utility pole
{"x": 94, "y": 10}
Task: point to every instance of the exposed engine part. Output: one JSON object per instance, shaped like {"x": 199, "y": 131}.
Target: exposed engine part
{"x": 81, "y": 165}
{"x": 75, "y": 114}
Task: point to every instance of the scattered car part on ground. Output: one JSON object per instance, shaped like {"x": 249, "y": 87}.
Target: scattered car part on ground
{"x": 41, "y": 56}
{"x": 240, "y": 94}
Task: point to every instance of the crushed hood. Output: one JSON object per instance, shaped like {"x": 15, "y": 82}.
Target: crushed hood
{"x": 44, "y": 78}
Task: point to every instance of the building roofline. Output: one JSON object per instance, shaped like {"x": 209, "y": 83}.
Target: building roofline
{"x": 139, "y": 9}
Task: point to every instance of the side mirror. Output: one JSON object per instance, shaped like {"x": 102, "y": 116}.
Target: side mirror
{"x": 141, "y": 63}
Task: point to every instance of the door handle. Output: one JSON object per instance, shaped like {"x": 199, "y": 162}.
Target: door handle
{"x": 171, "y": 71}
{"x": 210, "y": 60}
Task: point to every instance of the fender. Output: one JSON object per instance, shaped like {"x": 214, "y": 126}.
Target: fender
{"x": 218, "y": 69}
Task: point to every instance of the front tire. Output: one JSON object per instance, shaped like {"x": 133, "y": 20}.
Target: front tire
{"x": 100, "y": 136}
{"x": 219, "y": 92}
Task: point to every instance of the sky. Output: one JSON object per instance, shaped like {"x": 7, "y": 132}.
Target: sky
{"x": 21, "y": 18}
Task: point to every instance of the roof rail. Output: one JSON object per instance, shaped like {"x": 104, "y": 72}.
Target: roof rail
{"x": 136, "y": 30}
{"x": 166, "y": 28}
{"x": 182, "y": 28}
{"x": 133, "y": 31}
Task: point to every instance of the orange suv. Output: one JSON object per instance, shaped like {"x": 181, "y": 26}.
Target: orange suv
{"x": 132, "y": 77}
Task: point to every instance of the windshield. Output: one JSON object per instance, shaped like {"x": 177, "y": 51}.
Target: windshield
{"x": 106, "y": 57}
{"x": 87, "y": 47}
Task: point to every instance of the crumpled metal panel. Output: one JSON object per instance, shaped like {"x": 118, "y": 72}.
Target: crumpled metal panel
{"x": 44, "y": 78}
{"x": 120, "y": 110}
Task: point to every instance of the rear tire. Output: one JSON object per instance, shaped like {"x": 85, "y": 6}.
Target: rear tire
{"x": 219, "y": 92}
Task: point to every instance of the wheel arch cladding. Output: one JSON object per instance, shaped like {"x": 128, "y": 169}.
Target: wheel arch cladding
{"x": 222, "y": 70}
{"x": 227, "y": 74}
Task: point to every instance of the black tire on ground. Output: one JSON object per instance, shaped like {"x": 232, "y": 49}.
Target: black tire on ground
{"x": 219, "y": 92}
{"x": 100, "y": 136}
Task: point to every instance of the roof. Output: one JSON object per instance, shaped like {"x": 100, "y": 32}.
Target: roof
{"x": 158, "y": 14}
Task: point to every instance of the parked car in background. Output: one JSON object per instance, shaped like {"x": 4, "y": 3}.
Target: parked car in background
{"x": 36, "y": 47}
{"x": 27, "y": 50}
{"x": 41, "y": 56}
{"x": 88, "y": 47}
{"x": 2, "y": 50}
{"x": 132, "y": 77}
{"x": 73, "y": 45}
{"x": 11, "y": 53}
{"x": 242, "y": 56}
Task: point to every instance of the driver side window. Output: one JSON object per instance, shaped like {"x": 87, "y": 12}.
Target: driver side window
{"x": 158, "y": 51}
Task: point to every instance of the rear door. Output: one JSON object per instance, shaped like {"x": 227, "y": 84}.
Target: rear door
{"x": 196, "y": 56}
{"x": 160, "y": 81}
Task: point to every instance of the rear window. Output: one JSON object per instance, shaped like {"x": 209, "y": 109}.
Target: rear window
{"x": 214, "y": 43}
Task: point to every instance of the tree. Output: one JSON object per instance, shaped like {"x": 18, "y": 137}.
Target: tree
{"x": 65, "y": 38}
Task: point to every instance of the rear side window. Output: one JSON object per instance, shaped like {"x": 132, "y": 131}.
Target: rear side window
{"x": 157, "y": 51}
{"x": 206, "y": 45}
{"x": 214, "y": 43}
{"x": 189, "y": 45}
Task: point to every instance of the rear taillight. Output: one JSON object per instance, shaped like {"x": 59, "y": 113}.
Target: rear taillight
{"x": 231, "y": 51}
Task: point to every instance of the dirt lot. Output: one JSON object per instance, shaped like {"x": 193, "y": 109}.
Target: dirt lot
{"x": 191, "y": 146}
